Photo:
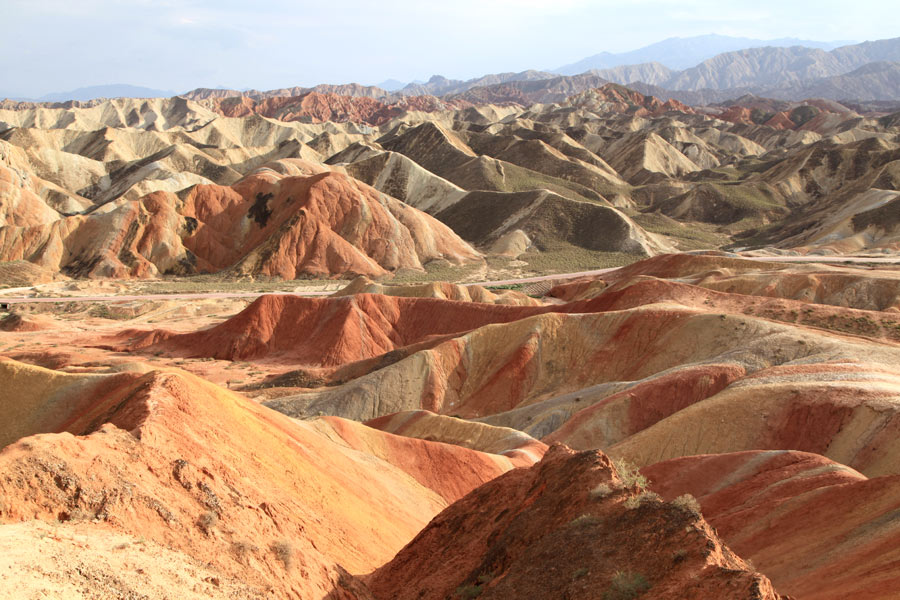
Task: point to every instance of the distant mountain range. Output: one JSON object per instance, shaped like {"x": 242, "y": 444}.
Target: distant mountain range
{"x": 777, "y": 70}
{"x": 681, "y": 53}
{"x": 865, "y": 72}
{"x": 117, "y": 90}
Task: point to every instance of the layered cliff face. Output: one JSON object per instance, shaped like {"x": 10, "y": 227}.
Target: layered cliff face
{"x": 318, "y": 107}
{"x": 129, "y": 240}
{"x": 648, "y": 351}
{"x": 319, "y": 225}
{"x": 133, "y": 462}
{"x": 265, "y": 224}
{"x": 829, "y": 518}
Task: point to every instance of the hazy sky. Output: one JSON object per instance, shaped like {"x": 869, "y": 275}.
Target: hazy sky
{"x": 59, "y": 45}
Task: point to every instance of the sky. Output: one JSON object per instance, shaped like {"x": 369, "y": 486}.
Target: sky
{"x": 177, "y": 45}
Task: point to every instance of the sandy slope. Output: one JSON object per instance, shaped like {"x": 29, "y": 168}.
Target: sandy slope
{"x": 259, "y": 497}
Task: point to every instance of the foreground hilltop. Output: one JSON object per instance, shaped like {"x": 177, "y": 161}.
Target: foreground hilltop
{"x": 277, "y": 507}
{"x": 568, "y": 527}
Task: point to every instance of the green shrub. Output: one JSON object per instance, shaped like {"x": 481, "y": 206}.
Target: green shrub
{"x": 601, "y": 491}
{"x": 687, "y": 503}
{"x": 629, "y": 473}
{"x": 642, "y": 498}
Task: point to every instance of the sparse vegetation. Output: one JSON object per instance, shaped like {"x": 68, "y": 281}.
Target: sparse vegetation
{"x": 602, "y": 490}
{"x": 584, "y": 519}
{"x": 748, "y": 197}
{"x": 520, "y": 179}
{"x": 207, "y": 520}
{"x": 242, "y": 549}
{"x": 469, "y": 592}
{"x": 629, "y": 474}
{"x": 687, "y": 503}
{"x": 438, "y": 270}
{"x": 566, "y": 258}
{"x": 693, "y": 236}
{"x": 284, "y": 552}
{"x": 626, "y": 585}
{"x": 102, "y": 311}
{"x": 220, "y": 283}
{"x": 642, "y": 498}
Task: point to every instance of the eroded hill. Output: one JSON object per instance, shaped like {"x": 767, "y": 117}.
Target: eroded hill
{"x": 607, "y": 176}
{"x": 394, "y": 440}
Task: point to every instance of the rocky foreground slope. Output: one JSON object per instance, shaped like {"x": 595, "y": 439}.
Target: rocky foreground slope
{"x": 660, "y": 363}
{"x": 767, "y": 391}
{"x": 282, "y": 506}
{"x": 568, "y": 527}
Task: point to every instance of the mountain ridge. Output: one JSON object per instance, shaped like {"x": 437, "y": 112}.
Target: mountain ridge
{"x": 776, "y": 71}
{"x": 678, "y": 53}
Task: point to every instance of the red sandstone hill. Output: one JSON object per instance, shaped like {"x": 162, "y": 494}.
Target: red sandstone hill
{"x": 615, "y": 98}
{"x": 589, "y": 373}
{"x": 522, "y": 449}
{"x": 316, "y": 107}
{"x": 857, "y": 288}
{"x": 813, "y": 114}
{"x": 283, "y": 506}
{"x": 348, "y": 89}
{"x": 265, "y": 224}
{"x": 319, "y": 225}
{"x": 817, "y": 528}
{"x": 568, "y": 527}
{"x": 328, "y": 331}
{"x": 296, "y": 509}
{"x": 743, "y": 363}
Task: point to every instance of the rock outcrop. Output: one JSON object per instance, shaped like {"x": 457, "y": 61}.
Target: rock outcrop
{"x": 567, "y": 527}
{"x": 266, "y": 224}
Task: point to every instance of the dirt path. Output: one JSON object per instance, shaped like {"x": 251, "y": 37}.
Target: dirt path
{"x": 523, "y": 280}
